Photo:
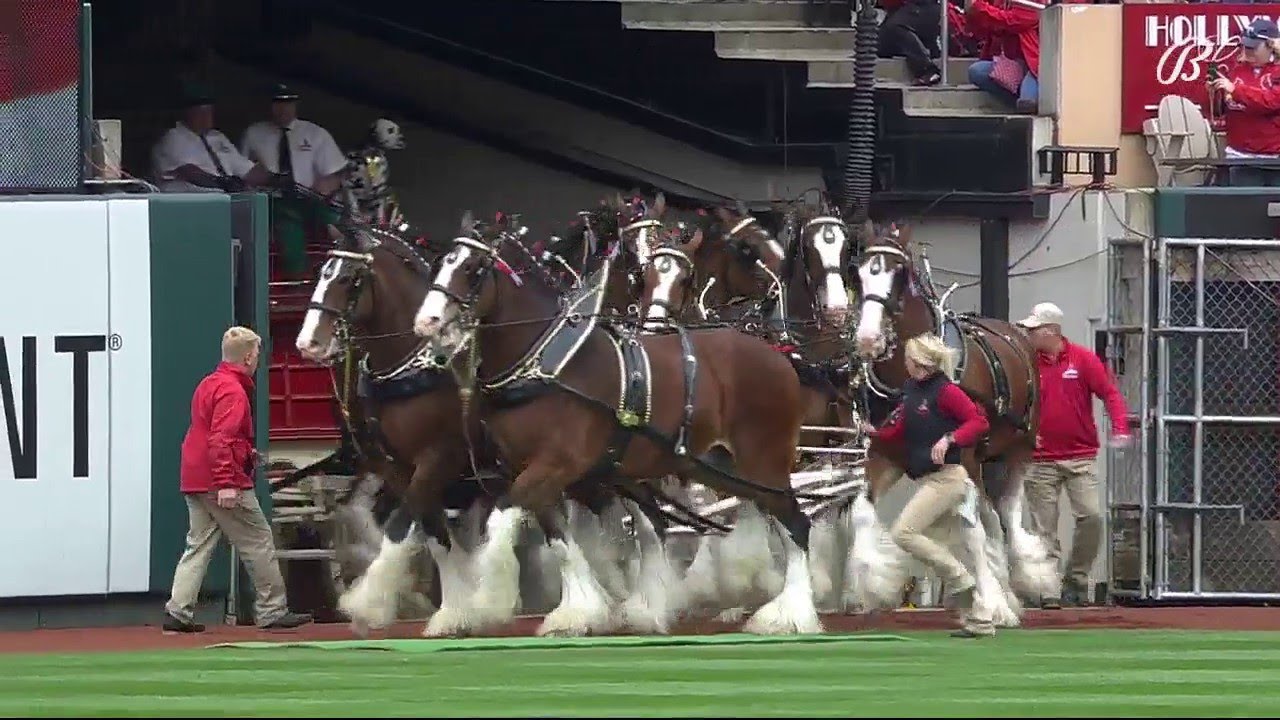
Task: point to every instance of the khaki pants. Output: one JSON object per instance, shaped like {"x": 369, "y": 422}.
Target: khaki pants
{"x": 934, "y": 512}
{"x": 1044, "y": 484}
{"x": 247, "y": 530}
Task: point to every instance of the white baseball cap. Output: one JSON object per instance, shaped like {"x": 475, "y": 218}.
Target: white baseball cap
{"x": 1046, "y": 313}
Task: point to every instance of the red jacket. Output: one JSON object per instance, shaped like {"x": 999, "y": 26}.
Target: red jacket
{"x": 1013, "y": 29}
{"x": 218, "y": 451}
{"x": 953, "y": 402}
{"x": 1253, "y": 113}
{"x": 1068, "y": 382}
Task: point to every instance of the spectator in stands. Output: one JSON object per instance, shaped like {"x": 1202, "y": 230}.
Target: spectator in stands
{"x": 218, "y": 466}
{"x": 1067, "y": 446}
{"x": 194, "y": 157}
{"x": 910, "y": 30}
{"x": 1010, "y": 64}
{"x": 302, "y": 152}
{"x": 1251, "y": 99}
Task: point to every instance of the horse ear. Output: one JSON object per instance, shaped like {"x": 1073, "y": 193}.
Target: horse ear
{"x": 659, "y": 205}
{"x": 742, "y": 208}
{"x": 468, "y": 222}
{"x": 723, "y": 213}
{"x": 694, "y": 243}
{"x": 904, "y": 234}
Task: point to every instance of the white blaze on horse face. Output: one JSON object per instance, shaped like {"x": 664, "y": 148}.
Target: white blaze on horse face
{"x": 307, "y": 343}
{"x": 431, "y": 315}
{"x": 830, "y": 244}
{"x": 661, "y": 297}
{"x": 877, "y": 280}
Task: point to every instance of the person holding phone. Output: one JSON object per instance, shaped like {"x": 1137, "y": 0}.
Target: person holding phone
{"x": 1251, "y": 104}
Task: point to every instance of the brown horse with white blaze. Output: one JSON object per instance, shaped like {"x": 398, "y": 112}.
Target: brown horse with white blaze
{"x": 362, "y": 307}
{"x": 569, "y": 400}
{"x": 996, "y": 369}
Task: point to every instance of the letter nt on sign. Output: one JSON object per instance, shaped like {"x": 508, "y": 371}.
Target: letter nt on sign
{"x": 24, "y": 431}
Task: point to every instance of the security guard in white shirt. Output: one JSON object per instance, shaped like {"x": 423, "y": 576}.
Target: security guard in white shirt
{"x": 194, "y": 157}
{"x": 297, "y": 148}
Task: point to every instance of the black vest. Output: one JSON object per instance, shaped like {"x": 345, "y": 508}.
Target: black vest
{"x": 925, "y": 424}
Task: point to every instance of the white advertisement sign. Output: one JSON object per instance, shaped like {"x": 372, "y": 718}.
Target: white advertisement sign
{"x": 75, "y": 397}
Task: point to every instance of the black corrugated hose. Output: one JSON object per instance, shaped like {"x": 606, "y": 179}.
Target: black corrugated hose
{"x": 860, "y": 152}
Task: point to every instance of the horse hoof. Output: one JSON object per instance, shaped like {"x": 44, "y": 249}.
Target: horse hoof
{"x": 360, "y": 629}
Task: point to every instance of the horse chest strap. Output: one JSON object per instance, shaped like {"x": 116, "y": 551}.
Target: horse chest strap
{"x": 635, "y": 402}
{"x": 690, "y": 365}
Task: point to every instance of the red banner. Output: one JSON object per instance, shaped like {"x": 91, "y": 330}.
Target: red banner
{"x": 1167, "y": 48}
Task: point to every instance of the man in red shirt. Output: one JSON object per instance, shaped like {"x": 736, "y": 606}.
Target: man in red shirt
{"x": 1067, "y": 446}
{"x": 218, "y": 462}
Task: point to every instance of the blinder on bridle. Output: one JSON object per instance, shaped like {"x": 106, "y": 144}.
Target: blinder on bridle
{"x": 879, "y": 263}
{"x": 329, "y": 271}
{"x": 828, "y": 224}
{"x": 487, "y": 254}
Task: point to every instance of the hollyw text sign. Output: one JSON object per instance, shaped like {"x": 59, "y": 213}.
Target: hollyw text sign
{"x": 1168, "y": 48}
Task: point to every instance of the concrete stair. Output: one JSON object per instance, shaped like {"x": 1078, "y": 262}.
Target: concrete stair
{"x": 716, "y": 15}
{"x": 839, "y": 74}
{"x": 779, "y": 31}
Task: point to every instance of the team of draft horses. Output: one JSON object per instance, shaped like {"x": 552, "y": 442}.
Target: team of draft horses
{"x": 542, "y": 386}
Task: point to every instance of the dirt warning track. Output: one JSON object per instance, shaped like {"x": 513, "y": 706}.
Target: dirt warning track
{"x": 152, "y": 638}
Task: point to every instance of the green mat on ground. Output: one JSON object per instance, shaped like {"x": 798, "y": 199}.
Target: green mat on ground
{"x": 430, "y": 645}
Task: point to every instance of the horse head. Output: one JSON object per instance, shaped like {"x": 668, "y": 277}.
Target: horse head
{"x": 368, "y": 278}
{"x": 819, "y": 256}
{"x": 668, "y": 280}
{"x": 464, "y": 289}
{"x": 748, "y": 239}
{"x": 887, "y": 284}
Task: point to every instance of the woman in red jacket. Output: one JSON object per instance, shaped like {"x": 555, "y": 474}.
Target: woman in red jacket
{"x": 1011, "y": 32}
{"x": 1251, "y": 96}
{"x": 936, "y": 419}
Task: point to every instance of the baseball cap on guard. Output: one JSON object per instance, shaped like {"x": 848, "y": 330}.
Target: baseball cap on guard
{"x": 1046, "y": 313}
{"x": 1259, "y": 31}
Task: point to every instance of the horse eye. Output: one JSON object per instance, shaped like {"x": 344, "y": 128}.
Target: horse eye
{"x": 329, "y": 269}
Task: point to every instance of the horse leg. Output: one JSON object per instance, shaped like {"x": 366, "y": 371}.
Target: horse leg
{"x": 877, "y": 568}
{"x": 600, "y": 533}
{"x": 585, "y": 606}
{"x": 1034, "y": 573}
{"x": 764, "y": 460}
{"x": 656, "y": 599}
{"x": 732, "y": 572}
{"x": 452, "y": 552}
{"x": 371, "y": 603}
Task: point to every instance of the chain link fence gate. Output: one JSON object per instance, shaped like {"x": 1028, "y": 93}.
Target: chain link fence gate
{"x": 1195, "y": 342}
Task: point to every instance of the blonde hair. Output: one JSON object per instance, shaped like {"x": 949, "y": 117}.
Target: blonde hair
{"x": 929, "y": 351}
{"x": 237, "y": 341}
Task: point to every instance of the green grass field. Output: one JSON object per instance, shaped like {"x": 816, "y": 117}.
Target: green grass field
{"x": 1029, "y": 673}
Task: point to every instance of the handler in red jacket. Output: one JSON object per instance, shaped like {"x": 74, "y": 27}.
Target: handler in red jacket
{"x": 935, "y": 420}
{"x": 218, "y": 461}
{"x": 1251, "y": 96}
{"x": 1067, "y": 446}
